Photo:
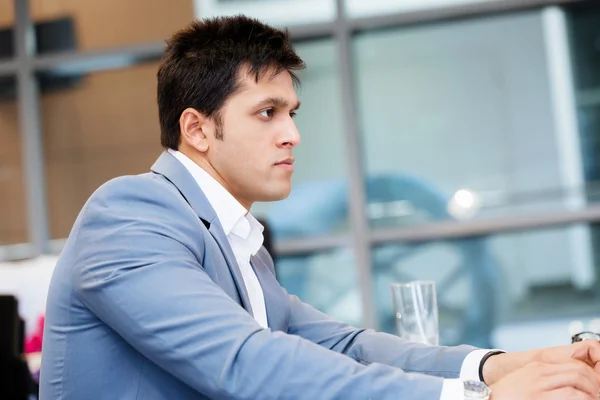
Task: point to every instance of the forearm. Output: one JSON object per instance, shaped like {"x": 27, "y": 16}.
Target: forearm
{"x": 367, "y": 346}
{"x": 297, "y": 368}
{"x": 373, "y": 347}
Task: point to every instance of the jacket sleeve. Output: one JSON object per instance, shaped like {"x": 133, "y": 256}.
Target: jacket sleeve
{"x": 138, "y": 272}
{"x": 367, "y": 346}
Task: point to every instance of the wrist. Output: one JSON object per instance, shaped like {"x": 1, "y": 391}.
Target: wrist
{"x": 497, "y": 366}
{"x": 494, "y": 367}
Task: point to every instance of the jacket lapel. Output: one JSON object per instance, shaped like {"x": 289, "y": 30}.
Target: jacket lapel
{"x": 169, "y": 167}
{"x": 276, "y": 301}
{"x": 216, "y": 230}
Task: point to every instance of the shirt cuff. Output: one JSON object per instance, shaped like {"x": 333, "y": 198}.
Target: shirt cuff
{"x": 453, "y": 389}
{"x": 470, "y": 366}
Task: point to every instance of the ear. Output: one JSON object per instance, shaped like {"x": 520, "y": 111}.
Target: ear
{"x": 195, "y": 129}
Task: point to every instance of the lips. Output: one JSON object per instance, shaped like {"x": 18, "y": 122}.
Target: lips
{"x": 287, "y": 163}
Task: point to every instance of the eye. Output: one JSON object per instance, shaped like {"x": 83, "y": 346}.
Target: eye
{"x": 293, "y": 114}
{"x": 268, "y": 113}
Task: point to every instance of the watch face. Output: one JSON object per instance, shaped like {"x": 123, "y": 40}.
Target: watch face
{"x": 476, "y": 390}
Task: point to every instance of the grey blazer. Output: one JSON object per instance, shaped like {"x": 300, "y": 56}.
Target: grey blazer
{"x": 147, "y": 302}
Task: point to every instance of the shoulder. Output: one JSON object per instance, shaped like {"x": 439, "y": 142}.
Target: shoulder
{"x": 142, "y": 202}
{"x": 142, "y": 216}
{"x": 135, "y": 195}
{"x": 141, "y": 187}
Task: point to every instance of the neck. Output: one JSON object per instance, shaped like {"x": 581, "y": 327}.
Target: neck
{"x": 206, "y": 165}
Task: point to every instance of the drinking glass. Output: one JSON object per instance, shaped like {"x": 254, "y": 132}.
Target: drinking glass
{"x": 415, "y": 305}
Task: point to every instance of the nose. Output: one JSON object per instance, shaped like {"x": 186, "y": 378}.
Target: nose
{"x": 291, "y": 137}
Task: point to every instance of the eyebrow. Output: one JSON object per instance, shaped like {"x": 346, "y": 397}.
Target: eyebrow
{"x": 278, "y": 102}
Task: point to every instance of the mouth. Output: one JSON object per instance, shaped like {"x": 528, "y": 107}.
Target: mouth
{"x": 286, "y": 163}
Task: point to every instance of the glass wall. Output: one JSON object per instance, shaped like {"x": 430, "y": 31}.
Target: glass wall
{"x": 457, "y": 121}
{"x": 326, "y": 280}
{"x": 584, "y": 24}
{"x": 491, "y": 283}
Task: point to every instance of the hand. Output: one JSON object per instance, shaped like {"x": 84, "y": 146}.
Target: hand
{"x": 496, "y": 367}
{"x": 543, "y": 381}
{"x": 587, "y": 351}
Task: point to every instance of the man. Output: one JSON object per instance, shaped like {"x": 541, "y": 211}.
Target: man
{"x": 164, "y": 292}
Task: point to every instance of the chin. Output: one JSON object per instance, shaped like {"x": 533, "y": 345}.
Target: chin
{"x": 281, "y": 196}
{"x": 277, "y": 195}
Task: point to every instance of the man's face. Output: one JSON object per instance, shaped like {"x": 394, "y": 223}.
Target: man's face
{"x": 254, "y": 159}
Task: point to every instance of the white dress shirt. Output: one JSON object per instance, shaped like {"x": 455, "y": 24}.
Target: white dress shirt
{"x": 244, "y": 234}
{"x": 243, "y": 231}
{"x": 453, "y": 389}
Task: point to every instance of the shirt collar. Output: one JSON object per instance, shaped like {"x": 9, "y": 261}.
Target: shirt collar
{"x": 229, "y": 211}
{"x": 250, "y": 231}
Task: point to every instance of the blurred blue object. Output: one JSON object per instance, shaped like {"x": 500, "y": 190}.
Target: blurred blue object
{"x": 320, "y": 208}
{"x": 312, "y": 209}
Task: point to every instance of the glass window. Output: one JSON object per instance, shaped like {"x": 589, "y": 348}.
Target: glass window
{"x": 589, "y": 123}
{"x": 361, "y": 8}
{"x": 7, "y": 17}
{"x": 584, "y": 24}
{"x": 327, "y": 281}
{"x": 457, "y": 121}
{"x": 318, "y": 202}
{"x": 276, "y": 12}
{"x": 535, "y": 283}
{"x": 13, "y": 206}
{"x": 63, "y": 25}
{"x": 93, "y": 132}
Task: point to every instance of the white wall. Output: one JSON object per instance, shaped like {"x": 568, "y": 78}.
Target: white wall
{"x": 28, "y": 281}
{"x": 280, "y": 13}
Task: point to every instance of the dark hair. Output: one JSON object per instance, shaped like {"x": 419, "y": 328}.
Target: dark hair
{"x": 201, "y": 66}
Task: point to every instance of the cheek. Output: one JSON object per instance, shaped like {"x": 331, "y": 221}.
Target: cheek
{"x": 249, "y": 151}
{"x": 245, "y": 162}
{"x": 256, "y": 148}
